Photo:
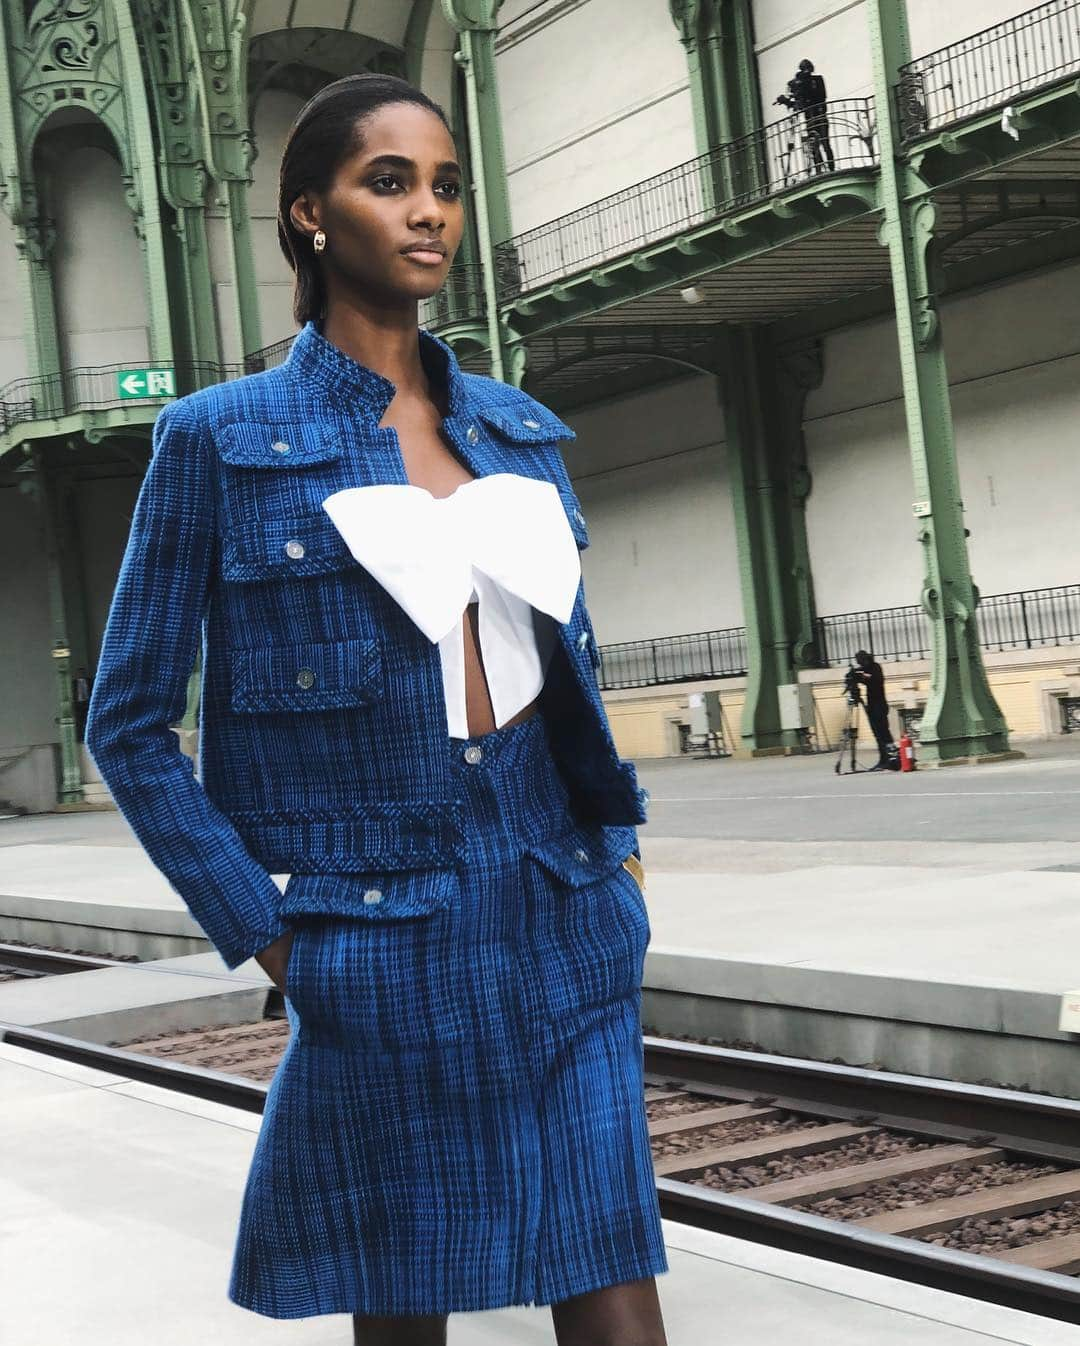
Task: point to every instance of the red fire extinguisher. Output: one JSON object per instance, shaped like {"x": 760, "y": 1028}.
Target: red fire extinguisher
{"x": 907, "y": 753}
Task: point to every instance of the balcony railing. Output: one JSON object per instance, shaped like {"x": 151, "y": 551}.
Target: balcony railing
{"x": 777, "y": 158}
{"x": 989, "y": 68}
{"x": 1017, "y": 621}
{"x": 706, "y": 654}
{"x": 93, "y": 388}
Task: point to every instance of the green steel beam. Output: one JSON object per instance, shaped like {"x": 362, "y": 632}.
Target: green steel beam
{"x": 683, "y": 258}
{"x": 962, "y": 719}
{"x": 41, "y": 484}
{"x": 763, "y": 393}
{"x": 476, "y": 23}
{"x": 724, "y": 93}
{"x": 974, "y": 148}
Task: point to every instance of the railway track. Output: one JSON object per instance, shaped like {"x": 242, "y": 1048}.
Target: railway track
{"x": 19, "y": 961}
{"x": 756, "y": 1146}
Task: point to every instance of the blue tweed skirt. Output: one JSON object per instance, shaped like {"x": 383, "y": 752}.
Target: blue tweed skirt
{"x": 458, "y": 1120}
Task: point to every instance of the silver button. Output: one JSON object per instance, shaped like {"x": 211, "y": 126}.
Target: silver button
{"x": 530, "y": 424}
{"x": 583, "y": 640}
{"x": 473, "y": 754}
{"x": 305, "y": 678}
{"x": 294, "y": 549}
{"x": 372, "y": 895}
{"x": 581, "y": 855}
{"x": 472, "y": 434}
{"x": 279, "y": 447}
{"x": 580, "y": 517}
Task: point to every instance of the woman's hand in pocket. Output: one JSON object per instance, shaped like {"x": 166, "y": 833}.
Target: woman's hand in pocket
{"x": 274, "y": 959}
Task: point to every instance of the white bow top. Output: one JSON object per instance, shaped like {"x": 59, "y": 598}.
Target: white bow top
{"x": 503, "y": 540}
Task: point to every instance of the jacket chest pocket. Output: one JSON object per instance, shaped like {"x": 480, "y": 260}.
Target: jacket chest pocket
{"x": 278, "y": 469}
{"x": 284, "y": 547}
{"x": 306, "y": 676}
{"x": 535, "y": 426}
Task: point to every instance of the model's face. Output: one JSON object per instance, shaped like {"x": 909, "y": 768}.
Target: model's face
{"x": 403, "y": 187}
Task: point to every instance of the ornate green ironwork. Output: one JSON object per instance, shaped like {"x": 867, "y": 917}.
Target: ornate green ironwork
{"x": 962, "y": 719}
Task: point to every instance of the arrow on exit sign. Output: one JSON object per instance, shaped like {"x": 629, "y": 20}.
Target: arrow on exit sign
{"x": 146, "y": 383}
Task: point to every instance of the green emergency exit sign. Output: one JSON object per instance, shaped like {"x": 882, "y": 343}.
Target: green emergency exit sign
{"x": 146, "y": 383}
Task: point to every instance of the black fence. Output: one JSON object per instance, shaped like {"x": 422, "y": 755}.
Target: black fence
{"x": 987, "y": 69}
{"x": 1018, "y": 621}
{"x": 641, "y": 663}
{"x": 834, "y": 137}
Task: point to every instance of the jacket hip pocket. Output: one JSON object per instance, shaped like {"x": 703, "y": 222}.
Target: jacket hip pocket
{"x": 381, "y": 962}
{"x": 591, "y": 926}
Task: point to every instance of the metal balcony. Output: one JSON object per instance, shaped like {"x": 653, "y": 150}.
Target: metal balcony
{"x": 779, "y": 157}
{"x": 990, "y": 68}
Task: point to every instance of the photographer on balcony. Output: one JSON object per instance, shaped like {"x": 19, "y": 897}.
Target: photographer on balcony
{"x": 806, "y": 94}
{"x": 870, "y": 676}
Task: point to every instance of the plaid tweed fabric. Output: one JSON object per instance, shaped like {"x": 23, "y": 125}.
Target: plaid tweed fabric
{"x": 322, "y": 718}
{"x": 458, "y": 1121}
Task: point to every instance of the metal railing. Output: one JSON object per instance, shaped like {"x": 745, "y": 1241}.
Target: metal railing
{"x": 1017, "y": 621}
{"x": 93, "y": 388}
{"x": 987, "y": 69}
{"x": 641, "y": 663}
{"x": 835, "y": 137}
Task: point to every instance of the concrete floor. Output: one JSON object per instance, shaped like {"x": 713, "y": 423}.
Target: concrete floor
{"x": 118, "y": 1208}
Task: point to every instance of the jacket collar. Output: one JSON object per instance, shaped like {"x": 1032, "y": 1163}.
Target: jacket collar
{"x": 313, "y": 360}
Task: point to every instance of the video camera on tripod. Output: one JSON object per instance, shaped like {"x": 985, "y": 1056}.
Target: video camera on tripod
{"x": 853, "y": 686}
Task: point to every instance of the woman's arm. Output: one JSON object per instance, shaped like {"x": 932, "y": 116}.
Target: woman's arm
{"x": 147, "y": 653}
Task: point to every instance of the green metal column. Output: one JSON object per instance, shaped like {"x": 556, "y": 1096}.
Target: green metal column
{"x": 763, "y": 395}
{"x": 718, "y": 39}
{"x": 142, "y": 184}
{"x": 45, "y": 490}
{"x": 477, "y": 27}
{"x": 962, "y": 719}
{"x": 719, "y": 42}
{"x": 33, "y": 233}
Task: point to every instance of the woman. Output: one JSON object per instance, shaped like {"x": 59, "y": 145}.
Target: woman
{"x": 399, "y": 709}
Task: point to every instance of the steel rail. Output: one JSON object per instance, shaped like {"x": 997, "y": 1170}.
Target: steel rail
{"x": 1032, "y": 1124}
{"x": 24, "y": 958}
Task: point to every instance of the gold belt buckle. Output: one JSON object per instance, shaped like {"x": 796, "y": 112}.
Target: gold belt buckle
{"x": 637, "y": 870}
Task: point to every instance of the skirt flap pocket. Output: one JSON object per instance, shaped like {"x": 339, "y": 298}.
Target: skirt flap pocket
{"x": 585, "y": 854}
{"x": 373, "y": 895}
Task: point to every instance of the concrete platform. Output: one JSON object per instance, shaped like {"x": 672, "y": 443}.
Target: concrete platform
{"x": 115, "y": 1005}
{"x": 953, "y": 974}
{"x": 118, "y": 1209}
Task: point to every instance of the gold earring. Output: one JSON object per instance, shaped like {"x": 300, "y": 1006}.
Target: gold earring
{"x": 319, "y": 241}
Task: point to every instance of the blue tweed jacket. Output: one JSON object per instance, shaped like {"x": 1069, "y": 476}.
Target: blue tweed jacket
{"x": 322, "y": 745}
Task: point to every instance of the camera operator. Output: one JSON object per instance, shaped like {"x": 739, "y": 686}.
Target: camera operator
{"x": 869, "y": 674}
{"x": 806, "y": 94}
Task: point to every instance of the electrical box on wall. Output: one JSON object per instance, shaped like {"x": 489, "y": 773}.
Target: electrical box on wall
{"x": 705, "y": 717}
{"x": 796, "y": 705}
{"x": 1070, "y": 1012}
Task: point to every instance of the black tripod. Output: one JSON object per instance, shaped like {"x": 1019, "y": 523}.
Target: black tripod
{"x": 850, "y": 735}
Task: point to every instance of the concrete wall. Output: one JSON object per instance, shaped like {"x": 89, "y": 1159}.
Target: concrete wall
{"x": 594, "y": 98}
{"x": 1014, "y": 360}
{"x": 651, "y": 473}
{"x": 274, "y": 114}
{"x": 101, "y": 308}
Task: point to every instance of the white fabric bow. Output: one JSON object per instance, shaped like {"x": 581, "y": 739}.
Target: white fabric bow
{"x": 503, "y": 539}
{"x": 424, "y": 549}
